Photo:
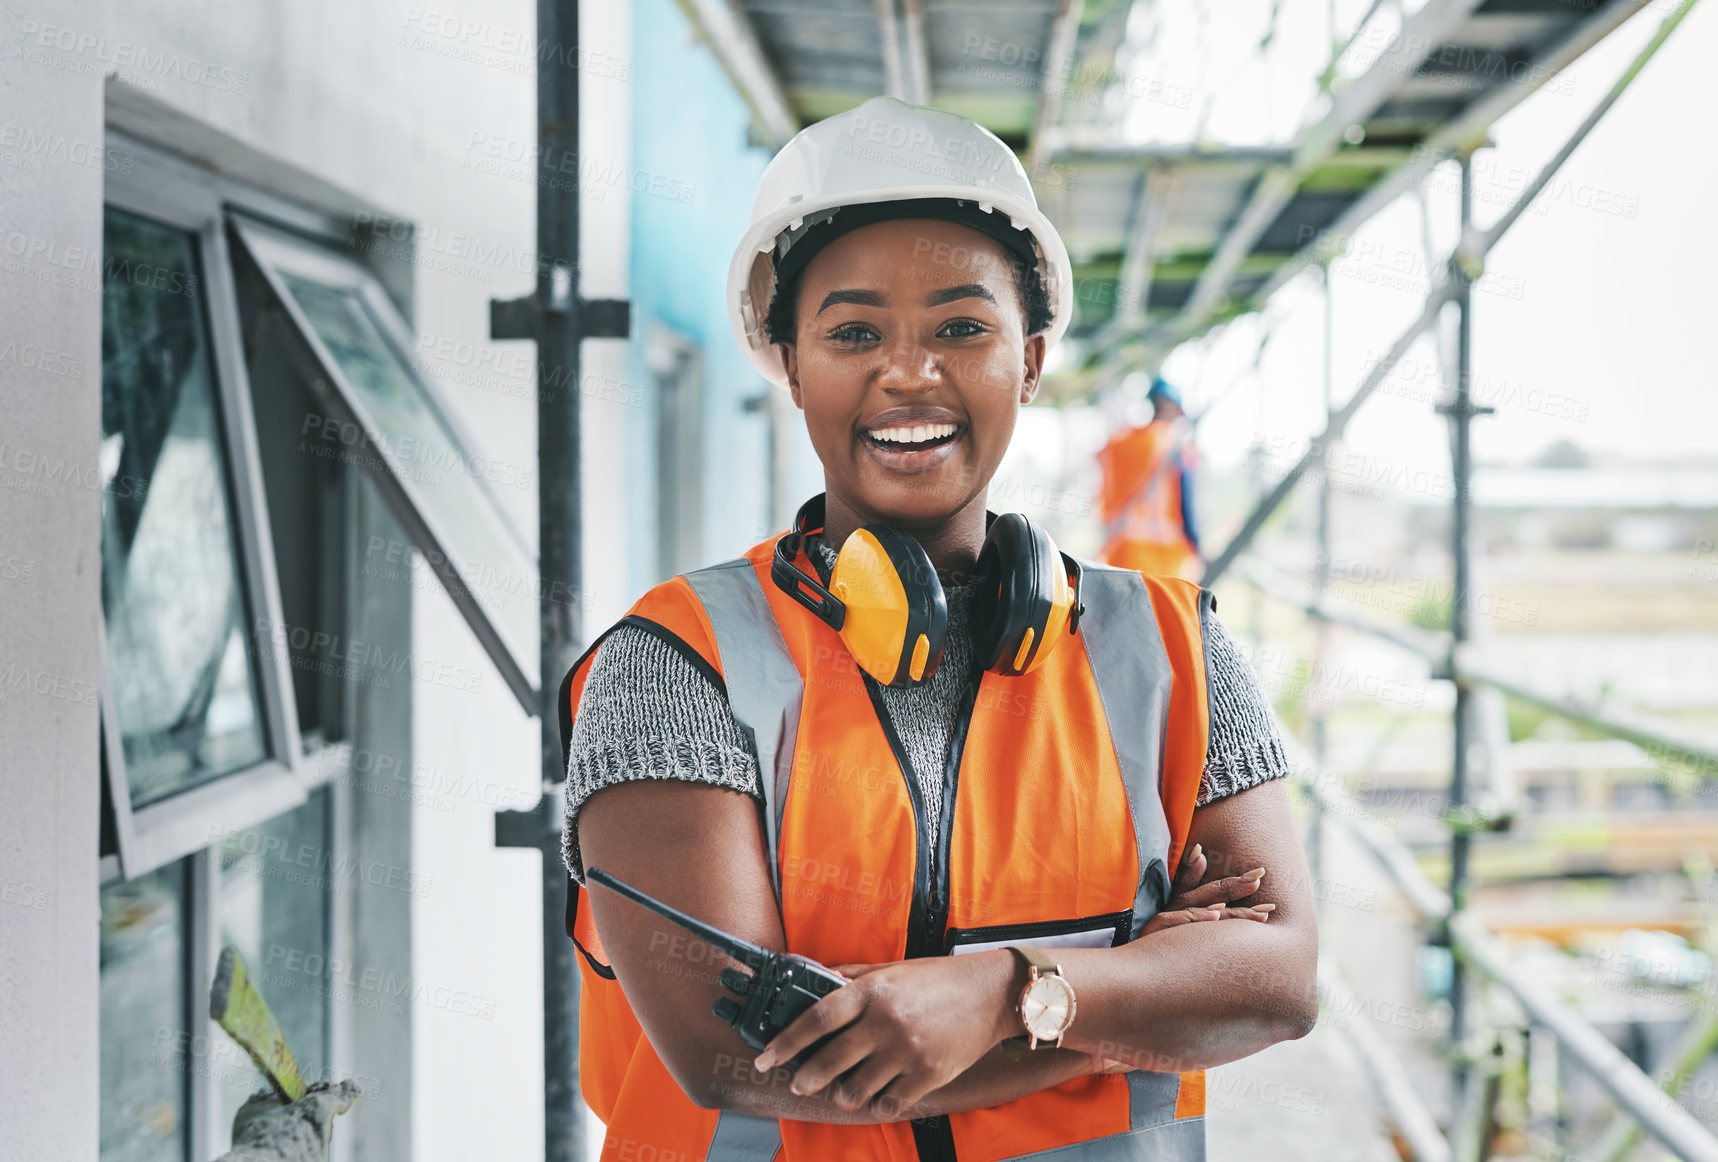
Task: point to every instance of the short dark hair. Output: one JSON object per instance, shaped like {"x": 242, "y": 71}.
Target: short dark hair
{"x": 781, "y": 325}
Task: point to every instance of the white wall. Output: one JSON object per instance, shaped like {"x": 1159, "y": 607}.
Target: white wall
{"x": 410, "y": 107}
{"x": 49, "y": 577}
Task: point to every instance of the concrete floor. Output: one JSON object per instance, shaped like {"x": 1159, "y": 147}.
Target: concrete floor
{"x": 1313, "y": 1099}
{"x": 1301, "y": 1101}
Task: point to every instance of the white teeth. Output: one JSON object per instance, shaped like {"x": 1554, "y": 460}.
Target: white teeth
{"x": 916, "y": 434}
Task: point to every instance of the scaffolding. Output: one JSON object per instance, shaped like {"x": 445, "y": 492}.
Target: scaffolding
{"x": 1475, "y": 1049}
{"x": 1168, "y": 242}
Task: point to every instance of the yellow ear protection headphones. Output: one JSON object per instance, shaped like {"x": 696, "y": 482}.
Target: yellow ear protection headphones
{"x": 886, "y": 602}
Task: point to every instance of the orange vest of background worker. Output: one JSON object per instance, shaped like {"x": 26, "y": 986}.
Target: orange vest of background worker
{"x": 1147, "y": 500}
{"x": 1106, "y": 731}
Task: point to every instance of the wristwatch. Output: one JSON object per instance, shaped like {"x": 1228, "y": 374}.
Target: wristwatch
{"x": 1046, "y": 1004}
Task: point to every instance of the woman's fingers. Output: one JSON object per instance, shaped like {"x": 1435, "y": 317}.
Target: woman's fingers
{"x": 1192, "y": 870}
{"x": 866, "y": 1082}
{"x": 906, "y": 1091}
{"x": 1259, "y": 912}
{"x": 835, "y": 1011}
{"x": 851, "y": 971}
{"x": 830, "y": 1062}
{"x": 1180, "y": 916}
{"x": 1220, "y": 891}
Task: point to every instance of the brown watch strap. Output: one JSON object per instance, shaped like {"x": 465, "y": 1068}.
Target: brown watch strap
{"x": 1036, "y": 957}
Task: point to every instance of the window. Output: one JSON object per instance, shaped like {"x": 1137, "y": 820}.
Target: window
{"x": 273, "y": 888}
{"x": 677, "y": 365}
{"x": 385, "y": 417}
{"x": 144, "y": 992}
{"x": 230, "y": 750}
{"x": 184, "y": 677}
{"x": 169, "y": 1077}
{"x": 199, "y": 733}
{"x": 214, "y": 828}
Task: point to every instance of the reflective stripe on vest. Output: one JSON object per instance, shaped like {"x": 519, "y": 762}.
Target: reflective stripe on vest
{"x": 1155, "y": 1132}
{"x": 1134, "y": 679}
{"x": 744, "y": 1138}
{"x": 767, "y": 699}
{"x": 1158, "y": 1130}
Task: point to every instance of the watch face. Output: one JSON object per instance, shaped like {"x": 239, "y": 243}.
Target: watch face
{"x": 1047, "y": 1007}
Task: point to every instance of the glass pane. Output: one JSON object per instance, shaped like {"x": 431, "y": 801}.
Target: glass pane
{"x": 184, "y": 672}
{"x": 274, "y": 891}
{"x": 419, "y": 447}
{"x": 144, "y": 1048}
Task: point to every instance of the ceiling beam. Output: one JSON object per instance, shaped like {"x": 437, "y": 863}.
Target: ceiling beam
{"x": 889, "y": 32}
{"x": 1134, "y": 285}
{"x": 729, "y": 33}
{"x": 1053, "y": 81}
{"x": 915, "y": 53}
{"x": 1465, "y": 132}
{"x": 1074, "y": 145}
{"x": 1428, "y": 28}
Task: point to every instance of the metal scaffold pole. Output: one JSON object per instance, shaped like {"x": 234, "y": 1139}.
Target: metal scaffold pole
{"x": 559, "y": 528}
{"x": 1318, "y": 714}
{"x": 559, "y": 321}
{"x": 1461, "y": 411}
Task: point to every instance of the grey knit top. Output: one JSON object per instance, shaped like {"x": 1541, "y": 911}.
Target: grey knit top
{"x": 648, "y": 713}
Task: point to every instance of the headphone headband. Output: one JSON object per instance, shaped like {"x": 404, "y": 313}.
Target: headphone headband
{"x": 793, "y": 580}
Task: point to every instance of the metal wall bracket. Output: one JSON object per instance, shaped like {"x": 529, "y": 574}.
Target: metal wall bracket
{"x": 540, "y": 827}
{"x": 605, "y": 318}
{"x": 520, "y": 318}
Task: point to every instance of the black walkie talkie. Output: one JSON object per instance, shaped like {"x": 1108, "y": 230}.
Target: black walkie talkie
{"x": 781, "y": 987}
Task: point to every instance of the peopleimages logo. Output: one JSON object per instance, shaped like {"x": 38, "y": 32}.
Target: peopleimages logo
{"x": 104, "y": 53}
{"x": 916, "y": 139}
{"x": 57, "y": 147}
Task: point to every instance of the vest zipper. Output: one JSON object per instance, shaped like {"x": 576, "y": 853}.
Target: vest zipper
{"x": 927, "y": 918}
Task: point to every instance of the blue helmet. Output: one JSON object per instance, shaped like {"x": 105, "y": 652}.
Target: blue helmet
{"x": 1161, "y": 388}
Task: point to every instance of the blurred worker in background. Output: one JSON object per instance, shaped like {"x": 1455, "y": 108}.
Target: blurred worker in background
{"x": 1147, "y": 497}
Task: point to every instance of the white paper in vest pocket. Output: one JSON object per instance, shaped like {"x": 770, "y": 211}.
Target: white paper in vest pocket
{"x": 1086, "y": 932}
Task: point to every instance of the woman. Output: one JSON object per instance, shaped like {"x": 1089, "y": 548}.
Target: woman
{"x": 1016, "y": 803}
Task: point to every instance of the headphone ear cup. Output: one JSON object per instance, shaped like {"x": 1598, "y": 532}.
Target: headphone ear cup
{"x": 1023, "y": 596}
{"x": 897, "y": 613}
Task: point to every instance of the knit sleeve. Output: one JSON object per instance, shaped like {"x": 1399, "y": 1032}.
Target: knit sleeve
{"x": 648, "y": 713}
{"x": 1244, "y": 748}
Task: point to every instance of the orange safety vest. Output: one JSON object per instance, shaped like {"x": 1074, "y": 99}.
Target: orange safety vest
{"x": 1141, "y": 501}
{"x": 1070, "y": 797}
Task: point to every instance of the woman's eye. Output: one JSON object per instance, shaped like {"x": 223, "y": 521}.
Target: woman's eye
{"x": 961, "y": 329}
{"x": 853, "y": 333}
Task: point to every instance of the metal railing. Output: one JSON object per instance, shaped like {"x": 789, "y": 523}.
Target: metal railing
{"x": 1636, "y": 1094}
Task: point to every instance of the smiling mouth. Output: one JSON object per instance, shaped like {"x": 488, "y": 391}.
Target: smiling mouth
{"x": 912, "y": 437}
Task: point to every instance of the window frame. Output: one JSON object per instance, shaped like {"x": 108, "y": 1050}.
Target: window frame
{"x": 182, "y": 823}
{"x": 188, "y": 825}
{"x": 520, "y": 670}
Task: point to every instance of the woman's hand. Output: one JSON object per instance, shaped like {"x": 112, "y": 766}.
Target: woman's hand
{"x": 905, "y": 1029}
{"x": 1191, "y": 900}
{"x": 900, "y": 1030}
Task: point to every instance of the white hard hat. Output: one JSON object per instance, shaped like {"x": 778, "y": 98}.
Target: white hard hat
{"x": 883, "y": 151}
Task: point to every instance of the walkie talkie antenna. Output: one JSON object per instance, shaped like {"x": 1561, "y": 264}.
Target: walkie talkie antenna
{"x": 744, "y": 951}
{"x": 781, "y": 987}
